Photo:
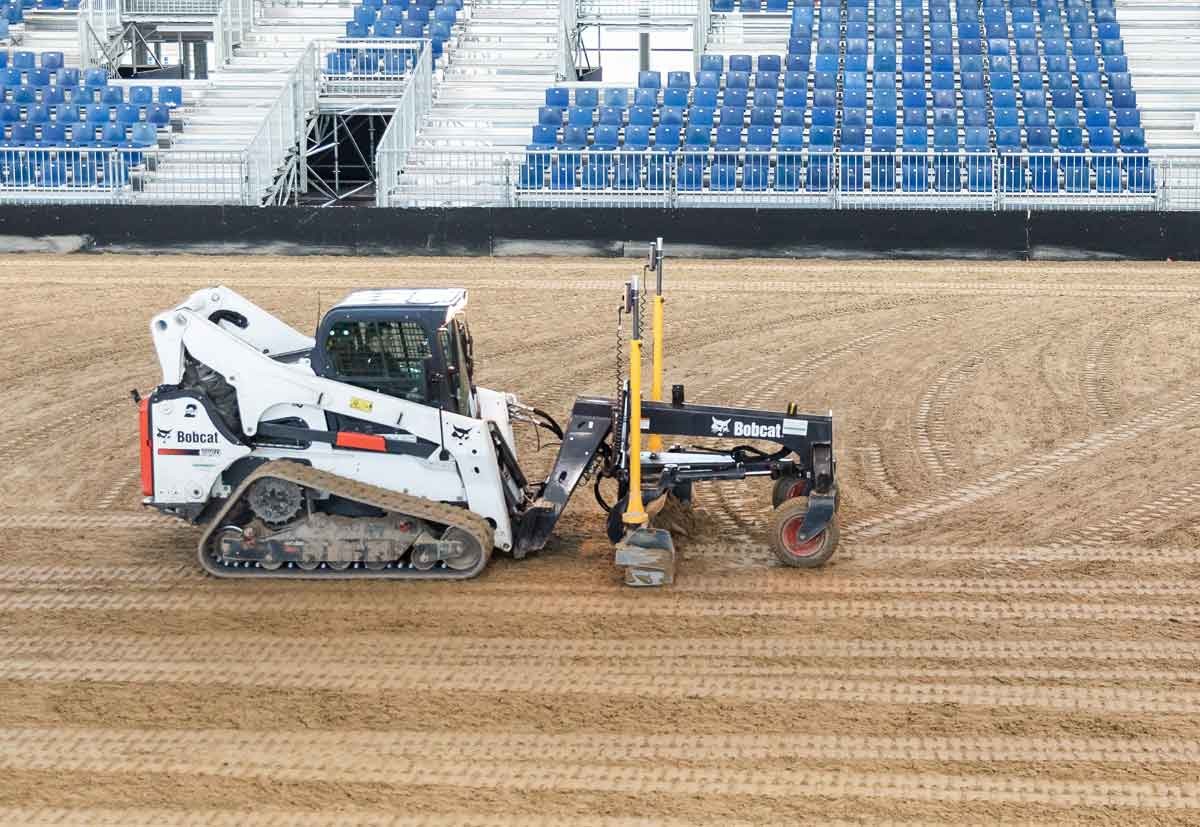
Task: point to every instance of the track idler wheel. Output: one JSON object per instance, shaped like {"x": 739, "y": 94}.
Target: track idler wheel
{"x": 787, "y": 540}
{"x": 467, "y": 553}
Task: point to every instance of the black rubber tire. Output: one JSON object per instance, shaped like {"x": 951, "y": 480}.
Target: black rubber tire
{"x": 810, "y": 555}
{"x": 784, "y": 489}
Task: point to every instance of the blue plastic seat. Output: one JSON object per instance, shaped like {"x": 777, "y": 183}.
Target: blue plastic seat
{"x": 558, "y": 98}
{"x": 1138, "y": 168}
{"x": 1076, "y": 171}
{"x": 794, "y": 99}
{"x": 712, "y": 63}
{"x": 820, "y": 153}
{"x": 913, "y": 160}
{"x": 679, "y": 97}
{"x": 1036, "y": 117}
{"x": 883, "y": 158}
{"x": 765, "y": 97}
{"x": 574, "y": 137}
{"x": 616, "y": 98}
{"x": 762, "y": 116}
{"x": 580, "y": 116}
{"x": 979, "y": 159}
{"x": 791, "y": 116}
{"x": 737, "y": 96}
{"x": 1012, "y": 169}
{"x": 587, "y": 98}
{"x": 824, "y": 116}
{"x": 649, "y": 80}
{"x": 1043, "y": 166}
{"x": 550, "y": 116}
{"x": 670, "y": 116}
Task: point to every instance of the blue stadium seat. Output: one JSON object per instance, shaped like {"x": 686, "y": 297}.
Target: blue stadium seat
{"x": 1008, "y": 144}
{"x": 820, "y": 152}
{"x": 1076, "y": 172}
{"x": 883, "y": 158}
{"x": 701, "y": 116}
{"x": 645, "y": 97}
{"x": 618, "y": 98}
{"x": 913, "y": 161}
{"x": 791, "y": 116}
{"x": 588, "y": 97}
{"x": 741, "y": 63}
{"x": 679, "y": 97}
{"x": 756, "y": 169}
{"x": 1137, "y": 160}
{"x": 649, "y": 80}
{"x": 670, "y": 116}
{"x": 550, "y": 116}
{"x": 558, "y": 98}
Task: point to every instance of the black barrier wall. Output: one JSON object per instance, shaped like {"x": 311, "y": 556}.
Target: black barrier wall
{"x": 710, "y": 232}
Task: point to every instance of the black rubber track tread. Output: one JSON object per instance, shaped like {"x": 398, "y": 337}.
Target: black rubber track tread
{"x": 391, "y": 501}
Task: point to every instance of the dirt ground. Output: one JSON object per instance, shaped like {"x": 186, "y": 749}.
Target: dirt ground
{"x": 1010, "y": 631}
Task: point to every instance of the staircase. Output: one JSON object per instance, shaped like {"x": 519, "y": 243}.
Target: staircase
{"x": 1162, "y": 42}
{"x": 493, "y": 80}
{"x": 50, "y": 31}
{"x": 203, "y": 163}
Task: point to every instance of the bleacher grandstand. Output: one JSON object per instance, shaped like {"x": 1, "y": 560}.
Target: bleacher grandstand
{"x": 905, "y": 103}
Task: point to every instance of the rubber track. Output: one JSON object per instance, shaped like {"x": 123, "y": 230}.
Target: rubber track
{"x": 603, "y": 682}
{"x": 163, "y": 753}
{"x": 427, "y": 603}
{"x": 377, "y": 649}
{"x": 382, "y": 498}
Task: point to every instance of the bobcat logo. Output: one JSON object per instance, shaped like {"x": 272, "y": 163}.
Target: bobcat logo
{"x": 461, "y": 433}
{"x": 162, "y": 433}
{"x": 720, "y": 427}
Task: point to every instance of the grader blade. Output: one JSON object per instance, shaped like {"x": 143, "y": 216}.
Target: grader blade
{"x": 648, "y": 557}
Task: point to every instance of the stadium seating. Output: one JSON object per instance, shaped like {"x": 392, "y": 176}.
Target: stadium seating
{"x": 880, "y": 96}
{"x": 66, "y": 128}
{"x": 432, "y": 19}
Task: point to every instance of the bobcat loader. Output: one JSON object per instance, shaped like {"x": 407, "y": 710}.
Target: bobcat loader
{"x": 368, "y": 451}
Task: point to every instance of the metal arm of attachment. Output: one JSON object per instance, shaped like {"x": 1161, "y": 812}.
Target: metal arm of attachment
{"x": 654, "y": 443}
{"x": 635, "y": 510}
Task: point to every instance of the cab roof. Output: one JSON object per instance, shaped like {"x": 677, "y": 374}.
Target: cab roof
{"x": 454, "y": 299}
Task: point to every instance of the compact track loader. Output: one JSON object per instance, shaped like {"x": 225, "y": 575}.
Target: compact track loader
{"x": 368, "y": 451}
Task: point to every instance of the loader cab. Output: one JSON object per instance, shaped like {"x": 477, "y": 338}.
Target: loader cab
{"x": 410, "y": 344}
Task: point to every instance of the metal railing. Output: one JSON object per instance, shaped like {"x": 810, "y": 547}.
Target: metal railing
{"x": 803, "y": 178}
{"x": 700, "y": 30}
{"x": 568, "y": 34}
{"x": 170, "y": 8}
{"x": 282, "y": 132}
{"x": 96, "y": 22}
{"x": 436, "y": 177}
{"x": 366, "y": 67}
{"x": 401, "y": 134}
{"x": 608, "y": 11}
{"x": 118, "y": 175}
{"x": 233, "y": 21}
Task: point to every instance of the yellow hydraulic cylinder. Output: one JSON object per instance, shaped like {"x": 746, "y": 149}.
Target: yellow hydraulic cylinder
{"x": 635, "y": 510}
{"x": 654, "y": 443}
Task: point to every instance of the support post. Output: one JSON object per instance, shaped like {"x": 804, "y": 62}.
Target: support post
{"x": 654, "y": 443}
{"x": 635, "y": 509}
{"x": 200, "y": 59}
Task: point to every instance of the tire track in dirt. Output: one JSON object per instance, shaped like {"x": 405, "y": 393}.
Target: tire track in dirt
{"x": 341, "y": 674}
{"x": 118, "y": 488}
{"x": 1100, "y": 389}
{"x": 310, "y": 747}
{"x": 874, "y": 472}
{"x": 227, "y": 601}
{"x": 375, "y": 649}
{"x": 1050, "y": 463}
{"x": 1116, "y": 528}
{"x": 27, "y": 581}
{"x": 739, "y": 509}
{"x": 70, "y": 522}
{"x": 55, "y": 431}
{"x": 341, "y": 815}
{"x": 109, "y": 754}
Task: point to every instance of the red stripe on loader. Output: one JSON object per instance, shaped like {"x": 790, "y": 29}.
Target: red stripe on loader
{"x": 363, "y": 442}
{"x": 147, "y": 450}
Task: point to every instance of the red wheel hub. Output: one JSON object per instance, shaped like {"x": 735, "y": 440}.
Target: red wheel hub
{"x": 797, "y": 489}
{"x": 792, "y": 542}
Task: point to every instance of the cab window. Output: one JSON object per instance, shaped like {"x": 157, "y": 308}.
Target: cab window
{"x": 387, "y": 357}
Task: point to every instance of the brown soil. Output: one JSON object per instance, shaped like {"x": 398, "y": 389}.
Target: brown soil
{"x": 1010, "y": 630}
